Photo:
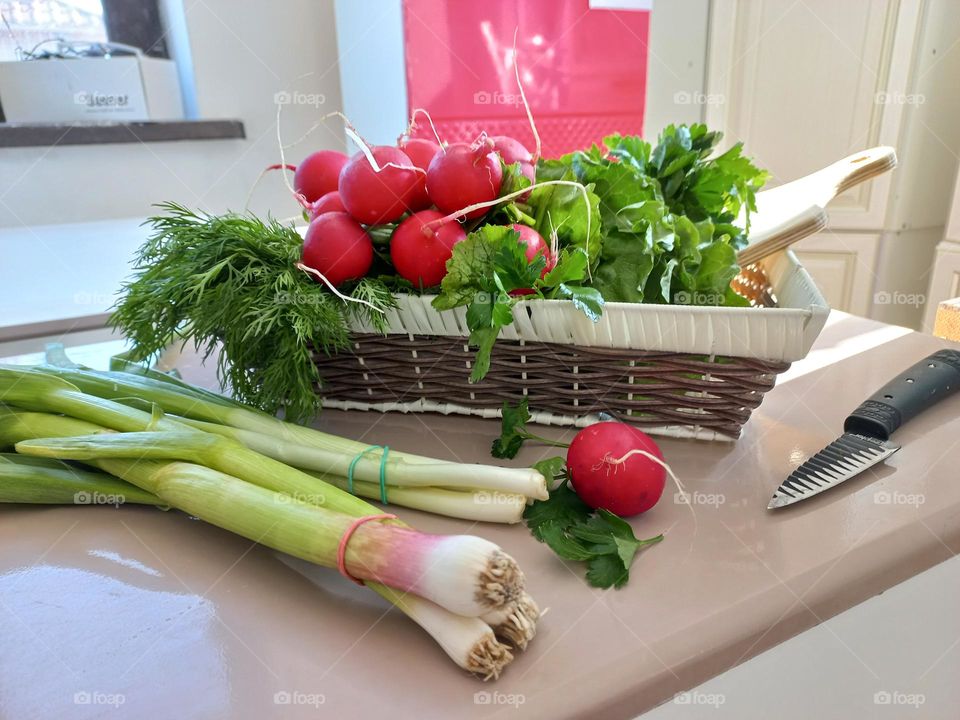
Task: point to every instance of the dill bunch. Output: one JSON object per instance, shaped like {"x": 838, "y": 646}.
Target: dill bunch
{"x": 228, "y": 283}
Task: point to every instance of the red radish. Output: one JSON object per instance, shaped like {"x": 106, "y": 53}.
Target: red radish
{"x": 463, "y": 175}
{"x": 330, "y": 202}
{"x": 529, "y": 172}
{"x": 609, "y": 470}
{"x": 318, "y": 174}
{"x": 375, "y": 197}
{"x": 336, "y": 246}
{"x": 535, "y": 245}
{"x": 420, "y": 253}
{"x": 511, "y": 150}
{"x": 420, "y": 151}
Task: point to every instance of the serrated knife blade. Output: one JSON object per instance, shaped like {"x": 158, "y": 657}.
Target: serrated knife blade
{"x": 866, "y": 438}
{"x": 848, "y": 455}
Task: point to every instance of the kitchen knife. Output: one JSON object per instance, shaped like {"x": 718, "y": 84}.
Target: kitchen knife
{"x": 866, "y": 437}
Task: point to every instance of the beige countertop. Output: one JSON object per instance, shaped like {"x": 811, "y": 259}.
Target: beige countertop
{"x": 131, "y": 612}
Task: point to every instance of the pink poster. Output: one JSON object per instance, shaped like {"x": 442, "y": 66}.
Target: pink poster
{"x": 583, "y": 69}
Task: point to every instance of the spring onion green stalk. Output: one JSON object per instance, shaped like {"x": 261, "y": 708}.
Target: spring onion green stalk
{"x": 463, "y": 573}
{"x": 173, "y": 440}
{"x": 43, "y": 392}
{"x": 17, "y": 425}
{"x": 32, "y": 390}
{"x": 296, "y": 445}
{"x": 479, "y": 505}
{"x": 470, "y": 642}
{"x": 516, "y": 622}
{"x": 336, "y": 454}
{"x": 40, "y": 481}
{"x": 498, "y": 584}
{"x": 217, "y": 453}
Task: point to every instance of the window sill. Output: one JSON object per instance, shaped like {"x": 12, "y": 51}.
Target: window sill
{"x": 43, "y": 135}
{"x": 82, "y": 264}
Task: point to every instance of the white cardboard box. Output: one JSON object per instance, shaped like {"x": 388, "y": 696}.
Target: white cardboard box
{"x": 117, "y": 89}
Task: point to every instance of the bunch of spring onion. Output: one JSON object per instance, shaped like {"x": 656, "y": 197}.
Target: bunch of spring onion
{"x": 466, "y": 491}
{"x": 465, "y": 591}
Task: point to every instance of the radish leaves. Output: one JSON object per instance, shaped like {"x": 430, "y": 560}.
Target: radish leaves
{"x": 487, "y": 269}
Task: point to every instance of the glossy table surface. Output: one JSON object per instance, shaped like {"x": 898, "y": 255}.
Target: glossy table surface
{"x": 131, "y": 612}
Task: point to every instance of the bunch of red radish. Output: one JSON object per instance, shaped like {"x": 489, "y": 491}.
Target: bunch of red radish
{"x": 421, "y": 184}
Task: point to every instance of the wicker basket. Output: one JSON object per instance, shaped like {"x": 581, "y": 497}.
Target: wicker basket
{"x": 672, "y": 369}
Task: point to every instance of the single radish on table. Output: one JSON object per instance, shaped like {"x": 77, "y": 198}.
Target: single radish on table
{"x": 420, "y": 253}
{"x": 421, "y": 152}
{"x": 464, "y": 175}
{"x": 534, "y": 245}
{"x": 318, "y": 174}
{"x": 330, "y": 202}
{"x": 337, "y": 247}
{"x": 609, "y": 468}
{"x": 376, "y": 196}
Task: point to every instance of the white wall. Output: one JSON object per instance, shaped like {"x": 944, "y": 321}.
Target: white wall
{"x": 244, "y": 51}
{"x": 676, "y": 70}
{"x": 807, "y": 83}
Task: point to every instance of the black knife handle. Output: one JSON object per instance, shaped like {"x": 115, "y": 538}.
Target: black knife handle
{"x": 911, "y": 392}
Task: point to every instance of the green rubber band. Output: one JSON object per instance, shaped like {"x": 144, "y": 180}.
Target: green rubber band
{"x": 383, "y": 470}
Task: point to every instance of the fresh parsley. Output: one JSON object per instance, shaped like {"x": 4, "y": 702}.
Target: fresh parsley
{"x": 485, "y": 272}
{"x": 513, "y": 433}
{"x": 670, "y": 214}
{"x": 604, "y": 541}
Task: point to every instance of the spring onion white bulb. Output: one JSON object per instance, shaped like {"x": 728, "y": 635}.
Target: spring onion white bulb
{"x": 469, "y": 641}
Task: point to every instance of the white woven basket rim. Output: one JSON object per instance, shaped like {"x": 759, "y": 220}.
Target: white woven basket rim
{"x": 783, "y": 333}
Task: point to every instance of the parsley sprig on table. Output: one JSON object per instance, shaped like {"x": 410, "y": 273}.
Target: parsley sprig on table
{"x": 513, "y": 432}
{"x": 604, "y": 541}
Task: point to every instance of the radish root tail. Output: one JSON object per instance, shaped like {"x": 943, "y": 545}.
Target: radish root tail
{"x": 463, "y": 212}
{"x": 523, "y": 97}
{"x": 283, "y": 161}
{"x": 365, "y": 149}
{"x": 617, "y": 464}
{"x": 269, "y": 168}
{"x": 413, "y": 126}
{"x": 346, "y": 298}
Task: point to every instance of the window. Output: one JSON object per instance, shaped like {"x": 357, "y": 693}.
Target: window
{"x": 36, "y": 26}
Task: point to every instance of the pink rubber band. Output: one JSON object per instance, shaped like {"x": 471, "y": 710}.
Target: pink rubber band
{"x": 345, "y": 538}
